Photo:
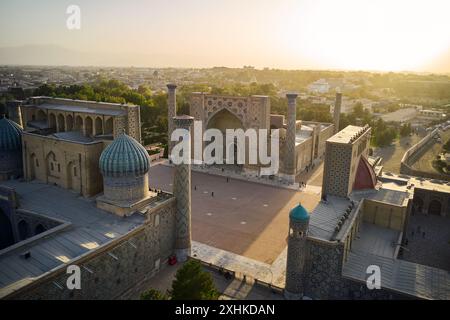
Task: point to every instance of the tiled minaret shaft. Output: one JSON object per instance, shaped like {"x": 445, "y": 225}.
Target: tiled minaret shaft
{"x": 172, "y": 112}
{"x": 290, "y": 165}
{"x": 337, "y": 111}
{"x": 182, "y": 193}
{"x": 296, "y": 258}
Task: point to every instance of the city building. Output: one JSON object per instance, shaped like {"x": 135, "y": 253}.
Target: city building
{"x": 302, "y": 143}
{"x": 369, "y": 219}
{"x": 118, "y": 233}
{"x": 319, "y": 86}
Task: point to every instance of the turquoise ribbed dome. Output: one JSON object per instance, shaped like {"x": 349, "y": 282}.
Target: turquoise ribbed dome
{"x": 124, "y": 157}
{"x": 299, "y": 213}
{"x": 10, "y": 135}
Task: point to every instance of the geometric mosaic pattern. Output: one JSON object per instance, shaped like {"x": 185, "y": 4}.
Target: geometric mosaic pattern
{"x": 182, "y": 193}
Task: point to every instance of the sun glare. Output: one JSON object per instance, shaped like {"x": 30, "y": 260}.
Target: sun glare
{"x": 378, "y": 35}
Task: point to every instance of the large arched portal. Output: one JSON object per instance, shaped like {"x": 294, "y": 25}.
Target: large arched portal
{"x": 6, "y": 234}
{"x": 222, "y": 121}
{"x": 435, "y": 207}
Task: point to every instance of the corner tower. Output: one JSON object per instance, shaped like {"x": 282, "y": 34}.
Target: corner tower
{"x": 296, "y": 254}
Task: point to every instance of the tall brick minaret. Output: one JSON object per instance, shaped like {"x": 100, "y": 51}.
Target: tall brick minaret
{"x": 290, "y": 162}
{"x": 337, "y": 111}
{"x": 296, "y": 253}
{"x": 182, "y": 193}
{"x": 172, "y": 112}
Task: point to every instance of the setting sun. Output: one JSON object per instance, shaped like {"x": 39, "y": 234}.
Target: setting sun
{"x": 381, "y": 35}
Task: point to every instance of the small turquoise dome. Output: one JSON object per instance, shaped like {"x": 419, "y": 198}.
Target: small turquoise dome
{"x": 124, "y": 157}
{"x": 10, "y": 135}
{"x": 299, "y": 213}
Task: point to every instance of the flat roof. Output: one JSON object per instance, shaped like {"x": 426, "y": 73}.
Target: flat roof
{"x": 376, "y": 240}
{"x": 325, "y": 216}
{"x": 399, "y": 275}
{"x": 400, "y": 115}
{"x": 90, "y": 228}
{"x": 400, "y": 181}
{"x": 75, "y": 136}
{"x": 81, "y": 109}
{"x": 345, "y": 135}
{"x": 395, "y": 197}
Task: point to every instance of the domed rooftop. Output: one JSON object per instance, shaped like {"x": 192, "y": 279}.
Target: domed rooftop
{"x": 124, "y": 157}
{"x": 299, "y": 213}
{"x": 10, "y": 135}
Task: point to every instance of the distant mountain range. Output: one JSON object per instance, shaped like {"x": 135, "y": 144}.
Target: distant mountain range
{"x": 53, "y": 55}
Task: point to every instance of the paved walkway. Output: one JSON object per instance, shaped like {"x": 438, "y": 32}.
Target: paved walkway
{"x": 274, "y": 274}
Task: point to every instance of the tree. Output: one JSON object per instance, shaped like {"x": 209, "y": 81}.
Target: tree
{"x": 192, "y": 283}
{"x": 405, "y": 129}
{"x": 153, "y": 294}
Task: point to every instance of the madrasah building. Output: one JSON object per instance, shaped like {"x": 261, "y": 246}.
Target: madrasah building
{"x": 301, "y": 143}
{"x": 120, "y": 231}
{"x": 75, "y": 191}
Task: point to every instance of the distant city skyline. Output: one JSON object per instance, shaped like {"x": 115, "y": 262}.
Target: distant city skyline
{"x": 347, "y": 35}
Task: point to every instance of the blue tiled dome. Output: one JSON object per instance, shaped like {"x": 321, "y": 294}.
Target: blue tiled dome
{"x": 10, "y": 135}
{"x": 299, "y": 213}
{"x": 124, "y": 157}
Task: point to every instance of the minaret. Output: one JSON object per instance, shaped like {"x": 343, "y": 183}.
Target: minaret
{"x": 337, "y": 111}
{"x": 14, "y": 111}
{"x": 290, "y": 161}
{"x": 182, "y": 193}
{"x": 172, "y": 112}
{"x": 296, "y": 254}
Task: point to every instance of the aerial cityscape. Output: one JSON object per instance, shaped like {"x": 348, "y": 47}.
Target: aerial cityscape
{"x": 189, "y": 172}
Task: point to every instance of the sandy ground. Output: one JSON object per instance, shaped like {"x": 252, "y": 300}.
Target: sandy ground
{"x": 425, "y": 162}
{"x": 392, "y": 155}
{"x": 245, "y": 218}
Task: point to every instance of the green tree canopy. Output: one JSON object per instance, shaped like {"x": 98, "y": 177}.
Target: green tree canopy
{"x": 193, "y": 283}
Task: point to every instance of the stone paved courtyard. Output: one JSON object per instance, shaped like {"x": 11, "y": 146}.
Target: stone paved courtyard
{"x": 242, "y": 217}
{"x": 433, "y": 249}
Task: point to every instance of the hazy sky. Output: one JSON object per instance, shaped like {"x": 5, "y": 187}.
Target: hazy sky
{"x": 343, "y": 34}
